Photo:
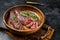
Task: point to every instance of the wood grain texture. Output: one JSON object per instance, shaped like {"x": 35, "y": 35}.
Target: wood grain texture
{"x": 33, "y": 37}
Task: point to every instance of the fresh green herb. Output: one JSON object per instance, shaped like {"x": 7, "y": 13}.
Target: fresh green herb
{"x": 14, "y": 17}
{"x": 33, "y": 16}
{"x": 25, "y": 14}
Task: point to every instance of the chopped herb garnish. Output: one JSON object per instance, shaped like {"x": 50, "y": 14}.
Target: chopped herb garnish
{"x": 25, "y": 14}
{"x": 14, "y": 17}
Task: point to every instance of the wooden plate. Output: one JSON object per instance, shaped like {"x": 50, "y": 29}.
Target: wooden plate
{"x": 36, "y": 36}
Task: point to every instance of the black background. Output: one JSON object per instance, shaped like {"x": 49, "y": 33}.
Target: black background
{"x": 51, "y": 12}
